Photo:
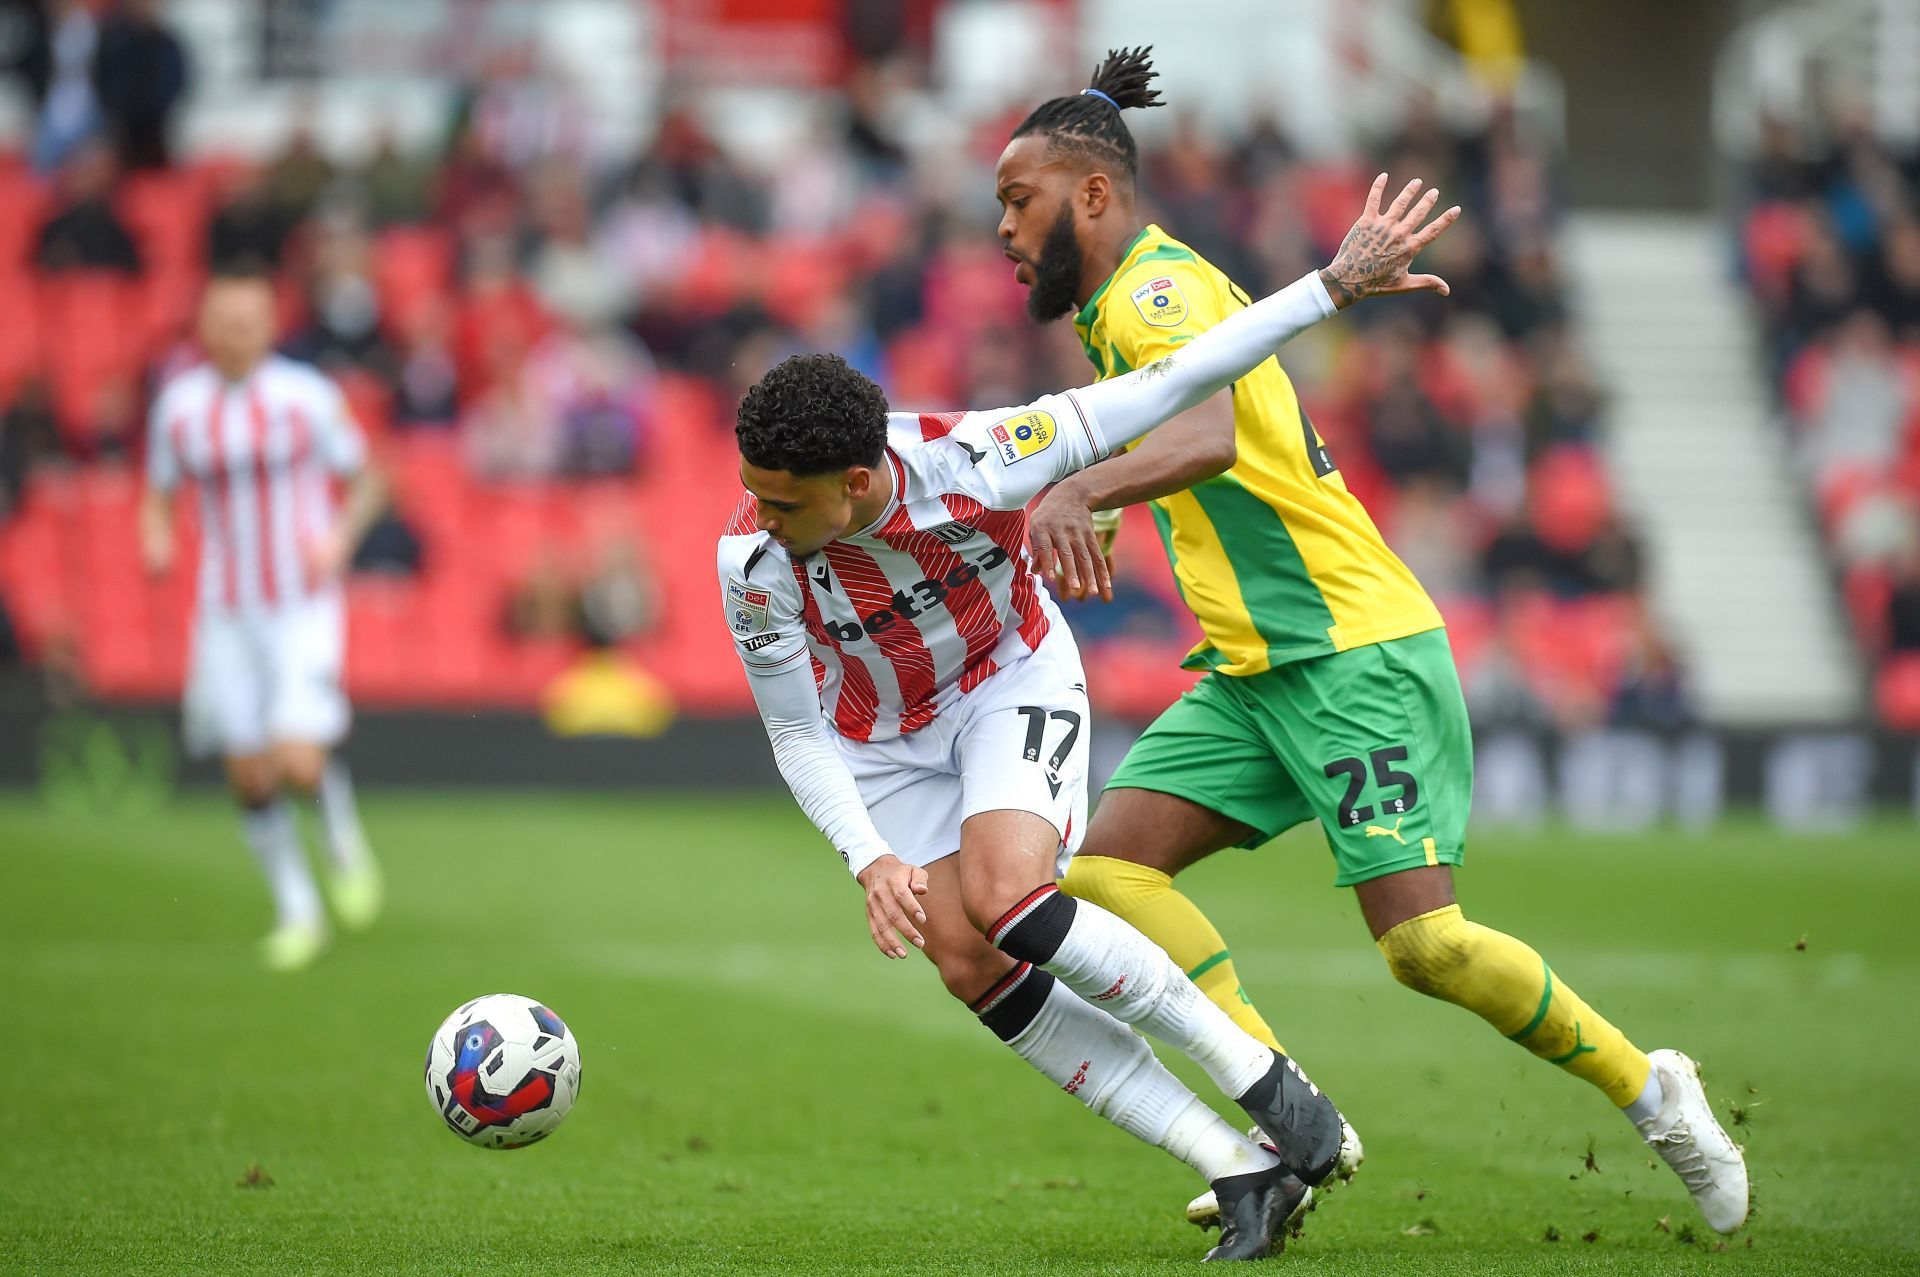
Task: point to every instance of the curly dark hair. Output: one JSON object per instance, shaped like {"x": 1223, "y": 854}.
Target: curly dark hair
{"x": 812, "y": 414}
{"x": 1092, "y": 126}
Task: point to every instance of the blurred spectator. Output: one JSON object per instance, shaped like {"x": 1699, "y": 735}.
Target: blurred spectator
{"x": 594, "y": 391}
{"x": 110, "y": 431}
{"x": 26, "y": 46}
{"x": 299, "y": 176}
{"x": 29, "y": 435}
{"x": 1650, "y": 691}
{"x": 247, "y": 226}
{"x": 1432, "y": 532}
{"x": 397, "y": 186}
{"x": 343, "y": 307}
{"x": 1896, "y": 288}
{"x": 565, "y": 269}
{"x": 391, "y": 547}
{"x": 1903, "y": 601}
{"x": 1858, "y": 409}
{"x": 619, "y": 600}
{"x": 140, "y": 75}
{"x": 57, "y": 61}
{"x": 1567, "y": 404}
{"x": 427, "y": 382}
{"x": 544, "y": 604}
{"x": 86, "y": 233}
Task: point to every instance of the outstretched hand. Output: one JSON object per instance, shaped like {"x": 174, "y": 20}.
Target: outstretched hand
{"x": 1374, "y": 257}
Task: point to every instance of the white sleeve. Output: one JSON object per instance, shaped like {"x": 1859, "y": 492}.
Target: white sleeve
{"x": 808, "y": 759}
{"x": 1015, "y": 453}
{"x": 763, "y": 617}
{"x": 1126, "y": 408}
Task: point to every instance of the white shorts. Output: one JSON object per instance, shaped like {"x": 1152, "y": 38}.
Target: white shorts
{"x": 1018, "y": 741}
{"x": 259, "y": 678}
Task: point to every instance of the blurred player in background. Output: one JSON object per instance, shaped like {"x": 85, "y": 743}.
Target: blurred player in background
{"x": 1330, "y": 690}
{"x": 262, "y": 436}
{"x": 927, "y": 706}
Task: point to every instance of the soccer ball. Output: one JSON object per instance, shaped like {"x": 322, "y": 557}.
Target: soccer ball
{"x": 502, "y": 1071}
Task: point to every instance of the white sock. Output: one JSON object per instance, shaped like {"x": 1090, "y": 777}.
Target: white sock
{"x": 275, "y": 840}
{"x": 1105, "y": 960}
{"x": 340, "y": 819}
{"x": 1111, "y": 1069}
{"x": 1647, "y": 1103}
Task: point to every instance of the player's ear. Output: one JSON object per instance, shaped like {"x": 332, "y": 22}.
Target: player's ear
{"x": 859, "y": 481}
{"x": 1096, "y": 192}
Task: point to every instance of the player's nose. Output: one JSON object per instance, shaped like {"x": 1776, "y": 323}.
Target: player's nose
{"x": 1006, "y": 226}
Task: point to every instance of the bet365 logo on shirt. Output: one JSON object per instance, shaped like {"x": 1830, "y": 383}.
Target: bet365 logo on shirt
{"x": 1020, "y": 437}
{"x": 1160, "y": 303}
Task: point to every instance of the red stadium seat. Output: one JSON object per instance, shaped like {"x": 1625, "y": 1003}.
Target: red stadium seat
{"x": 88, "y": 339}
{"x": 167, "y": 213}
{"x": 20, "y": 329}
{"x": 23, "y": 209}
{"x": 1897, "y": 693}
{"x": 411, "y": 265}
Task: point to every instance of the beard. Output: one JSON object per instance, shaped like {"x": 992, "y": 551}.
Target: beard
{"x": 1056, "y": 271}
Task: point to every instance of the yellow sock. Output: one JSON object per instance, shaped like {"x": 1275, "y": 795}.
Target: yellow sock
{"x": 1146, "y": 898}
{"x": 1508, "y": 985}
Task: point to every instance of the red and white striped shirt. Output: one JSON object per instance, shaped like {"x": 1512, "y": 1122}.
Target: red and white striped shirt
{"x": 261, "y": 452}
{"x": 923, "y": 604}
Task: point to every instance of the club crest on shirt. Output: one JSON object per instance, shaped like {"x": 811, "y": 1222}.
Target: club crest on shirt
{"x": 951, "y": 533}
{"x": 1020, "y": 437}
{"x": 1160, "y": 302}
{"x": 746, "y": 607}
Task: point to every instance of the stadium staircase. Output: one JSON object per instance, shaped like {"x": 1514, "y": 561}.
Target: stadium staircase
{"x": 1736, "y": 568}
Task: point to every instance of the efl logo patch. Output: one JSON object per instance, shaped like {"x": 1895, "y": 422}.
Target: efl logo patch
{"x": 1020, "y": 437}
{"x": 746, "y": 607}
{"x": 1160, "y": 303}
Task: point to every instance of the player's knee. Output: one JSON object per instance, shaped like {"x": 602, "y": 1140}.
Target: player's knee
{"x": 300, "y": 769}
{"x": 986, "y": 897}
{"x": 1429, "y": 954}
{"x": 968, "y": 975}
{"x": 252, "y": 792}
{"x": 251, "y": 781}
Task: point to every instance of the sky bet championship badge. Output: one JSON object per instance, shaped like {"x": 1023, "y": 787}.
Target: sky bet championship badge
{"x": 746, "y": 607}
{"x": 1160, "y": 303}
{"x": 1022, "y": 436}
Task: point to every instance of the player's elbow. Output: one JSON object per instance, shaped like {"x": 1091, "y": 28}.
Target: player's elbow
{"x": 1220, "y": 451}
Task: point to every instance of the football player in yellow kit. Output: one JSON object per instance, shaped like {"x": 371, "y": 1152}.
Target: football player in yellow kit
{"x": 1330, "y": 692}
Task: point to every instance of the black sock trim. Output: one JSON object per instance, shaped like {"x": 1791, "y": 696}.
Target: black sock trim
{"x": 1009, "y": 1007}
{"x": 1034, "y": 929}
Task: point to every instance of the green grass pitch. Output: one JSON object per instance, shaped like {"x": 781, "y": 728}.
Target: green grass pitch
{"x": 764, "y": 1093}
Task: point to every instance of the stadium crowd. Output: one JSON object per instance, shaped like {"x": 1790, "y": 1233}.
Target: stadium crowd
{"x": 1830, "y": 239}
{"x": 545, "y": 346}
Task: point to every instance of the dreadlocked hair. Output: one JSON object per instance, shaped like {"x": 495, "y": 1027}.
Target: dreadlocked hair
{"x": 1089, "y": 126}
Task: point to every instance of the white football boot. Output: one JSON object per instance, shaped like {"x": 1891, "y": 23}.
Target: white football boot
{"x": 1690, "y": 1139}
{"x": 1204, "y": 1210}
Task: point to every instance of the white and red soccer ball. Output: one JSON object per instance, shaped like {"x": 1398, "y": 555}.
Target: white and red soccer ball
{"x": 502, "y": 1071}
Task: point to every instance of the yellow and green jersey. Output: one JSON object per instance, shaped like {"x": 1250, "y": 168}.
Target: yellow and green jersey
{"x": 1277, "y": 560}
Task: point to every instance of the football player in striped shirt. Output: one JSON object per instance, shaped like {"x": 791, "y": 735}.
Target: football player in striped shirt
{"x": 263, "y": 438}
{"x": 1330, "y": 692}
{"x": 927, "y": 707}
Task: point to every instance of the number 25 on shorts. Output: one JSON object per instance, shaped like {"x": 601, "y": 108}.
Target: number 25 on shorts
{"x": 1384, "y": 775}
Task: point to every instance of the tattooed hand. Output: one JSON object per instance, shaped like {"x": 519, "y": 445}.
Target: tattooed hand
{"x": 1374, "y": 257}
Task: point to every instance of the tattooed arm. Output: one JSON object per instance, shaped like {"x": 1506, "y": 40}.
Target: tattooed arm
{"x": 1374, "y": 257}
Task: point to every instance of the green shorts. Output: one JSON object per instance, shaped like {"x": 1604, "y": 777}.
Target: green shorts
{"x": 1373, "y": 742}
